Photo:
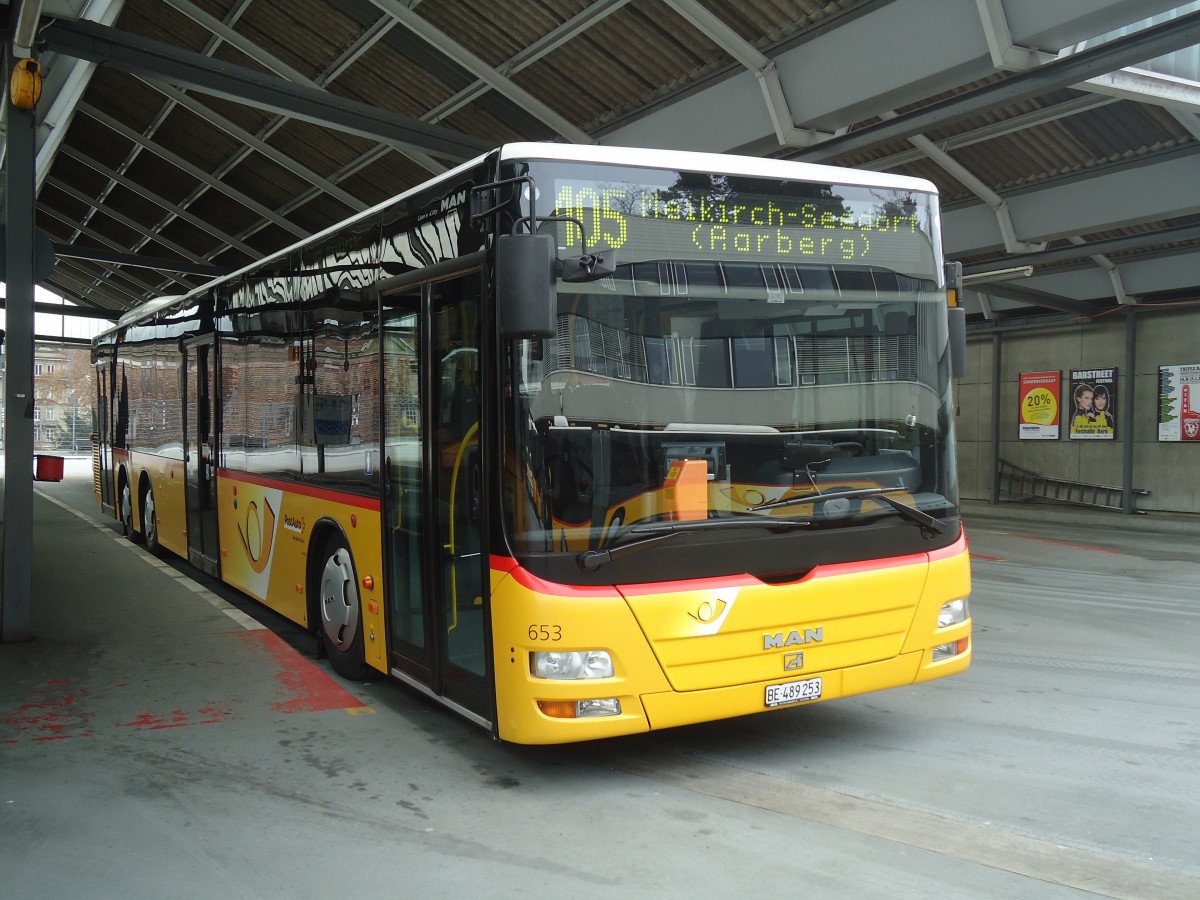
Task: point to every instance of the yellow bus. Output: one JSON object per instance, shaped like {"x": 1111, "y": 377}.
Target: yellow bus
{"x": 578, "y": 441}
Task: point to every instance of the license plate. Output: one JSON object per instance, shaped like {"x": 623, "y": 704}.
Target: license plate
{"x": 793, "y": 692}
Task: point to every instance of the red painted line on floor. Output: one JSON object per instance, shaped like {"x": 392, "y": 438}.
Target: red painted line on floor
{"x": 303, "y": 686}
{"x": 53, "y": 714}
{"x": 1029, "y": 537}
{"x": 178, "y": 718}
{"x": 985, "y": 556}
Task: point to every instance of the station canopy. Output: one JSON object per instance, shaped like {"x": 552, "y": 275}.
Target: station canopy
{"x": 181, "y": 139}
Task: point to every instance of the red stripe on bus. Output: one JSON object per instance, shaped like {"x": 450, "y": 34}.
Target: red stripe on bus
{"x": 834, "y": 570}
{"x": 958, "y": 547}
{"x": 532, "y": 582}
{"x": 291, "y": 487}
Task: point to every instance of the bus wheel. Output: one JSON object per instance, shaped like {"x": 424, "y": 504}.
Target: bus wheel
{"x": 149, "y": 521}
{"x": 126, "y": 512}
{"x": 341, "y": 630}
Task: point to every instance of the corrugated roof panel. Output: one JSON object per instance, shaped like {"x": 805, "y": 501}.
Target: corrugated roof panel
{"x": 634, "y": 57}
{"x": 306, "y": 34}
{"x": 767, "y": 23}
{"x": 161, "y": 22}
{"x": 495, "y": 32}
{"x": 387, "y": 176}
{"x": 391, "y": 78}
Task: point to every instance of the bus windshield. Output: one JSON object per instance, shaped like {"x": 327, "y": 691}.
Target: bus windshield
{"x": 761, "y": 345}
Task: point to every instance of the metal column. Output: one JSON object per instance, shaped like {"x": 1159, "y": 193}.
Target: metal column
{"x": 1127, "y": 414}
{"x": 15, "y": 600}
{"x": 997, "y": 389}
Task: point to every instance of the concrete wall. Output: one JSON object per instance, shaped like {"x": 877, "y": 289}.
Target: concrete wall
{"x": 1170, "y": 471}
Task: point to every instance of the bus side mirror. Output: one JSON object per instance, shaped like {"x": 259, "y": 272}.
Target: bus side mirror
{"x": 526, "y": 292}
{"x": 957, "y": 320}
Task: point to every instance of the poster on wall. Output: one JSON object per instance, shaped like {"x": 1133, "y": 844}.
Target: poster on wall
{"x": 1041, "y": 406}
{"x": 1094, "y": 400}
{"x": 1179, "y": 403}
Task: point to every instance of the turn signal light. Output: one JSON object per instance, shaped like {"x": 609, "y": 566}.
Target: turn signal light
{"x": 558, "y": 709}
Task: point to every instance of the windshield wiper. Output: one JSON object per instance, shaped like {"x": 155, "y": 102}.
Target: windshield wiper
{"x": 591, "y": 560}
{"x": 911, "y": 513}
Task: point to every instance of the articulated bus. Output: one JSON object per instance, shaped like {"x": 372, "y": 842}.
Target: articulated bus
{"x": 577, "y": 441}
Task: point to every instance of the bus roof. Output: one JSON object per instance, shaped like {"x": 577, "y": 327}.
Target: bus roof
{"x": 696, "y": 161}
{"x": 641, "y": 157}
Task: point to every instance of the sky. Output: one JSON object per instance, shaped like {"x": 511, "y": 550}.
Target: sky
{"x": 47, "y": 325}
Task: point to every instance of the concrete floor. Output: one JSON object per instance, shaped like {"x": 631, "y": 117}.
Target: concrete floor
{"x": 165, "y": 738}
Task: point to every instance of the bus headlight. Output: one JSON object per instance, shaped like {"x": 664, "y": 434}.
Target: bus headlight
{"x": 571, "y": 665}
{"x": 580, "y": 709}
{"x": 950, "y": 650}
{"x": 952, "y": 613}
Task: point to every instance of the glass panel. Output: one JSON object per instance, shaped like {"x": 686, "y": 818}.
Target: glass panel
{"x": 401, "y": 339}
{"x": 787, "y": 338}
{"x": 459, "y": 469}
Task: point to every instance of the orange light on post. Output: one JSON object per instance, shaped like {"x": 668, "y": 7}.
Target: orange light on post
{"x": 685, "y": 490}
{"x": 25, "y": 86}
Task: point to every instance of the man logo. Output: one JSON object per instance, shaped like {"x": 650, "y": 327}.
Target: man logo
{"x": 795, "y": 638}
{"x": 793, "y": 661}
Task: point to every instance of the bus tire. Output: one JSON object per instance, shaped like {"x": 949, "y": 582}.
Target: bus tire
{"x": 339, "y": 610}
{"x": 149, "y": 521}
{"x": 125, "y": 511}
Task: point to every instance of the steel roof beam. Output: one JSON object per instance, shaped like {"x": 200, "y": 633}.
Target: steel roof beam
{"x": 1104, "y": 200}
{"x": 156, "y": 60}
{"x": 283, "y": 70}
{"x": 1038, "y": 298}
{"x": 195, "y": 171}
{"x": 207, "y": 180}
{"x": 45, "y": 209}
{"x": 177, "y": 212}
{"x": 125, "y": 220}
{"x": 714, "y": 28}
{"x": 73, "y": 311}
{"x": 137, "y": 260}
{"x": 1009, "y": 125}
{"x": 1092, "y": 248}
{"x": 481, "y": 70}
{"x": 549, "y": 42}
{"x": 86, "y": 282}
{"x": 275, "y": 155}
{"x": 1172, "y": 269}
{"x": 352, "y": 53}
{"x": 1061, "y": 73}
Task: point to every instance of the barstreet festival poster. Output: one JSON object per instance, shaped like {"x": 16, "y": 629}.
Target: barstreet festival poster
{"x": 1093, "y": 396}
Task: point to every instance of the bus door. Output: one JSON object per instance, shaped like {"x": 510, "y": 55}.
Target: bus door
{"x": 102, "y": 473}
{"x": 200, "y": 460}
{"x": 438, "y": 622}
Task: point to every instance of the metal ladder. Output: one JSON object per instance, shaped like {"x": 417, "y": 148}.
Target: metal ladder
{"x": 1022, "y": 484}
